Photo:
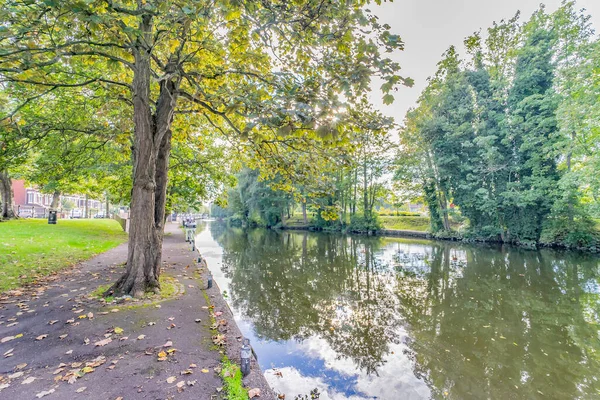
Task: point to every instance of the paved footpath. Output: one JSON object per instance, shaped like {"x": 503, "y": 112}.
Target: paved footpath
{"x": 61, "y": 343}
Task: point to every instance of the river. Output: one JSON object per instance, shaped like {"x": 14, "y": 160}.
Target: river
{"x": 391, "y": 318}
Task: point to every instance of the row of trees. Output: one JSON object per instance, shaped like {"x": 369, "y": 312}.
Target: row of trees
{"x": 159, "y": 97}
{"x": 343, "y": 193}
{"x": 510, "y": 135}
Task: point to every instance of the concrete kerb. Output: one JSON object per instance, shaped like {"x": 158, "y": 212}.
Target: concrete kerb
{"x": 256, "y": 378}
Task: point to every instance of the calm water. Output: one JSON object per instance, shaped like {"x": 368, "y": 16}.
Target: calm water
{"x": 388, "y": 318}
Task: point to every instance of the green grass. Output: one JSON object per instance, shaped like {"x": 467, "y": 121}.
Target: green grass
{"x": 232, "y": 379}
{"x": 230, "y": 373}
{"x": 31, "y": 248}
{"x": 298, "y": 220}
{"x": 100, "y": 291}
{"x": 420, "y": 224}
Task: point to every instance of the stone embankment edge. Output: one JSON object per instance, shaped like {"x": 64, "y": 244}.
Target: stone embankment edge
{"x": 256, "y": 378}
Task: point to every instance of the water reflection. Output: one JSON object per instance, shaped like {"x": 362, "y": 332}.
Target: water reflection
{"x": 363, "y": 317}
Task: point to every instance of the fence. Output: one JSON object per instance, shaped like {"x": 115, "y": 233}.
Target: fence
{"x": 124, "y": 222}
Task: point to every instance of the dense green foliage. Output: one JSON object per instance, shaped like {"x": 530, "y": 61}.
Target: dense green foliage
{"x": 509, "y": 135}
{"x": 343, "y": 193}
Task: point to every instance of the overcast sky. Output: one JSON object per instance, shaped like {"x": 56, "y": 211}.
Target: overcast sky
{"x": 429, "y": 27}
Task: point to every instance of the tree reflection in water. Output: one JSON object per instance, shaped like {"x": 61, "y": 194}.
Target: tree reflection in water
{"x": 482, "y": 321}
{"x": 294, "y": 286}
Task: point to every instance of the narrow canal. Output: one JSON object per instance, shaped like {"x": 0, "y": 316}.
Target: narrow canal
{"x": 391, "y": 318}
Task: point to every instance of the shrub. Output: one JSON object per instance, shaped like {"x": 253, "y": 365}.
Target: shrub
{"x": 580, "y": 233}
{"x": 360, "y": 223}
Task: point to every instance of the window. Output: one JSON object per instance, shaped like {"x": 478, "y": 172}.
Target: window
{"x": 29, "y": 198}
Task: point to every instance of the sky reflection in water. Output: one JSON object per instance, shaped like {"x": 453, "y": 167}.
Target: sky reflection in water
{"x": 388, "y": 318}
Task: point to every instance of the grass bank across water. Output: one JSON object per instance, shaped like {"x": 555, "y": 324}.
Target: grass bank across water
{"x": 30, "y": 248}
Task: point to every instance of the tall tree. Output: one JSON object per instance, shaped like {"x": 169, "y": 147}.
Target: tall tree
{"x": 240, "y": 65}
{"x": 533, "y": 134}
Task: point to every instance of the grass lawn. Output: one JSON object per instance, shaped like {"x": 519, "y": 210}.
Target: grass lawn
{"x": 31, "y": 247}
{"x": 405, "y": 223}
{"x": 298, "y": 220}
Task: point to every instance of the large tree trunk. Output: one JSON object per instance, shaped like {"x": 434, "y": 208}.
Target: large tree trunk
{"x": 7, "y": 196}
{"x": 151, "y": 151}
{"x": 55, "y": 200}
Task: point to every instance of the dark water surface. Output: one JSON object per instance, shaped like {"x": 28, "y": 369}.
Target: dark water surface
{"x": 390, "y": 318}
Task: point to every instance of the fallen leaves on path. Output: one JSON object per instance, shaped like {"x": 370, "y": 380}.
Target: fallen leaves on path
{"x": 171, "y": 379}
{"x": 28, "y": 380}
{"x": 103, "y": 342}
{"x": 16, "y": 375}
{"x": 141, "y": 337}
{"x": 254, "y": 393}
{"x": 46, "y": 393}
{"x": 42, "y": 337}
{"x": 81, "y": 389}
{"x": 219, "y": 340}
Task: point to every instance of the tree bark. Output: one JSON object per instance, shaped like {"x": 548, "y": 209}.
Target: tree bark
{"x": 7, "y": 196}
{"x": 304, "y": 217}
{"x": 354, "y": 198}
{"x": 151, "y": 152}
{"x": 366, "y": 210}
{"x": 55, "y": 200}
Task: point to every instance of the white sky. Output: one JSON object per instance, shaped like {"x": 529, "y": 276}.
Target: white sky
{"x": 429, "y": 27}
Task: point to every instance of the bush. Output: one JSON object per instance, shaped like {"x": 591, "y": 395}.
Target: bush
{"x": 580, "y": 233}
{"x": 359, "y": 223}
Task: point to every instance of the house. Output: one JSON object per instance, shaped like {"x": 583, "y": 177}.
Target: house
{"x": 29, "y": 202}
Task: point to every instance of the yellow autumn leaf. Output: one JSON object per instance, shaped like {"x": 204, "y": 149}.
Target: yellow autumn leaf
{"x": 118, "y": 330}
{"x": 87, "y": 370}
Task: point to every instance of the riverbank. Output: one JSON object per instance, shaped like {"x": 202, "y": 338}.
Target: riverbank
{"x": 444, "y": 236}
{"x": 59, "y": 339}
